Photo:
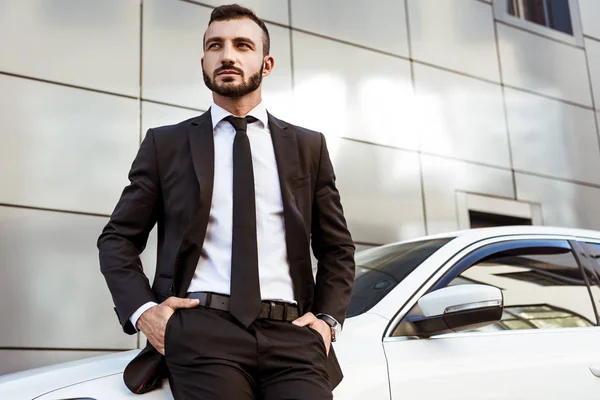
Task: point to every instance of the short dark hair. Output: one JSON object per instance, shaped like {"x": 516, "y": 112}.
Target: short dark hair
{"x": 235, "y": 11}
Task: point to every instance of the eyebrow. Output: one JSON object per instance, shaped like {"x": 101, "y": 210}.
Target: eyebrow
{"x": 239, "y": 39}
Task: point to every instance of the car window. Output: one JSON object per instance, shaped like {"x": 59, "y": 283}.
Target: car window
{"x": 593, "y": 270}
{"x": 593, "y": 273}
{"x": 380, "y": 269}
{"x": 543, "y": 287}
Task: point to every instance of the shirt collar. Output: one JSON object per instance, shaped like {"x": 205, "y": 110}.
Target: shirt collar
{"x": 218, "y": 113}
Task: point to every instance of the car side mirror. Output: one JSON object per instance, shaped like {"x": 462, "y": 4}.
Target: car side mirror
{"x": 458, "y": 308}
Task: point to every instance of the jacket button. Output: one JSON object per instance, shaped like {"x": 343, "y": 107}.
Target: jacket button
{"x": 171, "y": 290}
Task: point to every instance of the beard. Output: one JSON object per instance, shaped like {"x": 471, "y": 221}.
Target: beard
{"x": 229, "y": 89}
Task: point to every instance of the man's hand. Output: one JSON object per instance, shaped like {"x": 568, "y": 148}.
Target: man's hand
{"x": 153, "y": 321}
{"x": 318, "y": 325}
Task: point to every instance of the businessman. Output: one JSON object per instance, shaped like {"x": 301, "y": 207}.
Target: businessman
{"x": 238, "y": 197}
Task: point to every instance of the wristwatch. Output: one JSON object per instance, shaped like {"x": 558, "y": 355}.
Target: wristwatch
{"x": 336, "y": 328}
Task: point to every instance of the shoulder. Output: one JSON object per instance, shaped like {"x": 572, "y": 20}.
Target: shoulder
{"x": 301, "y": 132}
{"x": 179, "y": 128}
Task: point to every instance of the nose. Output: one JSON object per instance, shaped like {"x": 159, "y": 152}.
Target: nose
{"x": 227, "y": 56}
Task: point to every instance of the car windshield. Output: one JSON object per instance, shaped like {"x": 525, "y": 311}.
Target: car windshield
{"x": 380, "y": 269}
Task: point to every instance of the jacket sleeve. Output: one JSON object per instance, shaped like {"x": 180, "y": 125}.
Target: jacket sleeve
{"x": 126, "y": 234}
{"x": 331, "y": 243}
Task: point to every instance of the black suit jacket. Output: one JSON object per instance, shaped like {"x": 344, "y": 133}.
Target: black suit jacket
{"x": 171, "y": 185}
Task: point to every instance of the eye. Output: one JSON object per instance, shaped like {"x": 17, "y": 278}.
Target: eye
{"x": 244, "y": 45}
{"x": 213, "y": 45}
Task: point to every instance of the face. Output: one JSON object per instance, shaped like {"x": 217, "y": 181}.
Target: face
{"x": 233, "y": 64}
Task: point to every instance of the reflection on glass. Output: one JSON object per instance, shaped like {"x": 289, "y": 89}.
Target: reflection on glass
{"x": 506, "y": 315}
{"x": 543, "y": 287}
{"x": 513, "y": 324}
{"x": 535, "y": 312}
{"x": 541, "y": 316}
{"x": 570, "y": 322}
{"x": 489, "y": 328}
{"x": 461, "y": 280}
{"x": 593, "y": 271}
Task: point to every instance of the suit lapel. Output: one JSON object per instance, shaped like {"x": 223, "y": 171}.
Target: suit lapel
{"x": 201, "y": 141}
{"x": 285, "y": 144}
{"x": 202, "y": 148}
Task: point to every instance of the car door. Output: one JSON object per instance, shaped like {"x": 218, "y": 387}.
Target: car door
{"x": 542, "y": 348}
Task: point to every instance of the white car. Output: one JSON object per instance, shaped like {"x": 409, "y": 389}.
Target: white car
{"x": 497, "y": 313}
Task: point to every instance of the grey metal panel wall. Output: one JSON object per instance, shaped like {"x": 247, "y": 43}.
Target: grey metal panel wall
{"x": 380, "y": 189}
{"x": 454, "y": 34}
{"x": 462, "y": 117}
{"x": 590, "y": 9}
{"x": 54, "y": 294}
{"x": 154, "y": 115}
{"x": 64, "y": 148}
{"x": 270, "y": 10}
{"x": 552, "y": 138}
{"x": 172, "y": 49}
{"x": 543, "y": 66}
{"x": 592, "y": 48}
{"x": 563, "y": 203}
{"x": 277, "y": 88}
{"x": 382, "y": 27}
{"x": 443, "y": 177}
{"x": 368, "y": 97}
{"x": 86, "y": 43}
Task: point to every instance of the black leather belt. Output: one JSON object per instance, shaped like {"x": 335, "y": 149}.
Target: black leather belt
{"x": 273, "y": 310}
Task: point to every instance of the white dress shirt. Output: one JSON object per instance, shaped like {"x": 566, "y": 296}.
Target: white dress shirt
{"x": 213, "y": 272}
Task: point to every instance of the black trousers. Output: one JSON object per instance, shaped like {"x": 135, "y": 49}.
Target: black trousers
{"x": 211, "y": 356}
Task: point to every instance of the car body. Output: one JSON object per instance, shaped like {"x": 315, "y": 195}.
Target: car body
{"x": 524, "y": 301}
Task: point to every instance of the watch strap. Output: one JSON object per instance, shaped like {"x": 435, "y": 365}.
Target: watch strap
{"x": 333, "y": 324}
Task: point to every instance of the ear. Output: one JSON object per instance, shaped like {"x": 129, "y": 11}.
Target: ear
{"x": 268, "y": 65}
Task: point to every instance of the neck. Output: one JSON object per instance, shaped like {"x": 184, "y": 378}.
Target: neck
{"x": 239, "y": 106}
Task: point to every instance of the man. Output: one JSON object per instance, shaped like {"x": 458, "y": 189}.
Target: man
{"x": 237, "y": 196}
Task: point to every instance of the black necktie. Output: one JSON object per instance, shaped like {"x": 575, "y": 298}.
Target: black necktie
{"x": 245, "y": 286}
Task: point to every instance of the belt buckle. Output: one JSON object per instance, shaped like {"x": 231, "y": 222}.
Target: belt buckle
{"x": 286, "y": 306}
{"x": 274, "y": 314}
{"x": 271, "y": 307}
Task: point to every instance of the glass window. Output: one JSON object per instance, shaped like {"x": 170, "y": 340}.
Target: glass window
{"x": 480, "y": 219}
{"x": 593, "y": 249}
{"x": 380, "y": 269}
{"x": 554, "y": 14}
{"x": 542, "y": 288}
{"x": 556, "y": 19}
{"x": 592, "y": 270}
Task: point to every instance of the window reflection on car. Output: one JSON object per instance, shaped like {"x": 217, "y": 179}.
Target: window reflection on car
{"x": 541, "y": 316}
{"x": 542, "y": 289}
{"x": 380, "y": 269}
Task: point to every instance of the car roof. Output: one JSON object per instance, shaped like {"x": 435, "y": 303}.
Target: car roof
{"x": 486, "y": 233}
{"x": 526, "y": 230}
